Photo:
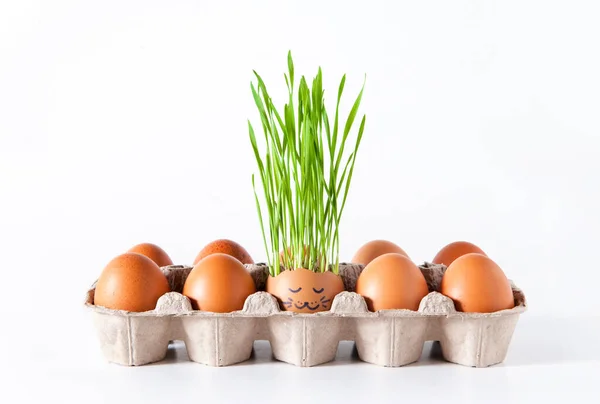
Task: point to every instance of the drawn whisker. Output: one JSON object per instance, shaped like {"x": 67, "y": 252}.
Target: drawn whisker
{"x": 323, "y": 298}
{"x": 325, "y": 301}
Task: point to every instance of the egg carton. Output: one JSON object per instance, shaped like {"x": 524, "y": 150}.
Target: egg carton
{"x": 386, "y": 338}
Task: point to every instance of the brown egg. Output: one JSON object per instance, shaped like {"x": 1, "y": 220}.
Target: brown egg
{"x": 454, "y": 250}
{"x": 226, "y": 247}
{"x": 131, "y": 282}
{"x": 289, "y": 252}
{"x": 392, "y": 281}
{"x": 289, "y": 255}
{"x": 218, "y": 283}
{"x": 305, "y": 291}
{"x": 477, "y": 285}
{"x": 374, "y": 249}
{"x": 154, "y": 252}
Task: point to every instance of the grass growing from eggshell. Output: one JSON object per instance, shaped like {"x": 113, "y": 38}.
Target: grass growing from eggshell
{"x": 306, "y": 170}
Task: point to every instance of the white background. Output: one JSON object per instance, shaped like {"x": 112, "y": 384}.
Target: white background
{"x": 125, "y": 121}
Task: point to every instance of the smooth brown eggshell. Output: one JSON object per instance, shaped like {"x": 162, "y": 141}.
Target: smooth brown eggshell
{"x": 131, "y": 282}
{"x": 374, "y": 249}
{"x": 476, "y": 284}
{"x": 392, "y": 281}
{"x": 154, "y": 252}
{"x": 225, "y": 246}
{"x": 218, "y": 283}
{"x": 452, "y": 251}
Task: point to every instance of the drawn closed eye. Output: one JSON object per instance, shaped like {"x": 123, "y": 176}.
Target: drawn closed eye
{"x": 319, "y": 290}
{"x": 294, "y": 291}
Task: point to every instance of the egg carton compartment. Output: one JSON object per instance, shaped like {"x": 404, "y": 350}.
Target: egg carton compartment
{"x": 387, "y": 338}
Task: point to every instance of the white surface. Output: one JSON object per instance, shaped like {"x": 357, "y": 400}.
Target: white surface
{"x": 551, "y": 360}
{"x": 125, "y": 121}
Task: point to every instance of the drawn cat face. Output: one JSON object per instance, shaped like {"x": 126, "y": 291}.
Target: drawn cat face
{"x": 312, "y": 300}
{"x": 304, "y": 291}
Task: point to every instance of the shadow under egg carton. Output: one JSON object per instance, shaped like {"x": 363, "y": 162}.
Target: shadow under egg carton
{"x": 386, "y": 338}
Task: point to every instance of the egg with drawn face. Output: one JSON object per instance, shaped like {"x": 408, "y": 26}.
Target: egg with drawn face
{"x": 304, "y": 291}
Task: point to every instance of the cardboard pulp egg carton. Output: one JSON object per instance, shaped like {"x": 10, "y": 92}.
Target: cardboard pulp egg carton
{"x": 386, "y": 338}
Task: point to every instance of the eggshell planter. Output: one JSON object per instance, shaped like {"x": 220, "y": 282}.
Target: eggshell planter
{"x": 386, "y": 338}
{"x": 304, "y": 291}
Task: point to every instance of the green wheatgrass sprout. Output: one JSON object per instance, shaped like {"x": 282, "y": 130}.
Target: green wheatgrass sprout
{"x": 304, "y": 173}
